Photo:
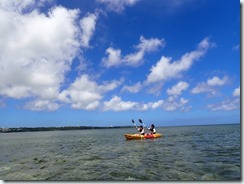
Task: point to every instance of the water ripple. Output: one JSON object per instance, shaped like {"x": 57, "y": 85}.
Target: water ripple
{"x": 184, "y": 153}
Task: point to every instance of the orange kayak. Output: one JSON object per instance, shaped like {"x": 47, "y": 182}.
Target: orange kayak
{"x": 138, "y": 136}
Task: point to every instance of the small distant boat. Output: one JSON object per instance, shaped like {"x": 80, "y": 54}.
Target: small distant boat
{"x": 146, "y": 136}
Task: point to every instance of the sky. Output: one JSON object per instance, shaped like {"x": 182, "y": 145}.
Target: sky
{"x": 105, "y": 62}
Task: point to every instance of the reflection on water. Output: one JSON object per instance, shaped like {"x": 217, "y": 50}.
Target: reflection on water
{"x": 184, "y": 153}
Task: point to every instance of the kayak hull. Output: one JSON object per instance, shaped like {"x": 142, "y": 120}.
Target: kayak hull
{"x": 138, "y": 136}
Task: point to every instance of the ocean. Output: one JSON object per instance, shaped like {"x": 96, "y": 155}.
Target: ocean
{"x": 199, "y": 153}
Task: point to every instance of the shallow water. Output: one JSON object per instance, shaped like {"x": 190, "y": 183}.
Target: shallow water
{"x": 184, "y": 153}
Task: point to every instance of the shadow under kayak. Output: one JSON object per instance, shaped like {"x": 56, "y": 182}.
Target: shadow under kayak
{"x": 146, "y": 136}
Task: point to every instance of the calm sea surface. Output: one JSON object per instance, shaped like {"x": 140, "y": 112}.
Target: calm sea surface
{"x": 184, "y": 153}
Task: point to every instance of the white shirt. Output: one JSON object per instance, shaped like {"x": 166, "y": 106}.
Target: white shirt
{"x": 142, "y": 131}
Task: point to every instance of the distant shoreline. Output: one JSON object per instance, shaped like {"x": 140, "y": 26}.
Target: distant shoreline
{"x": 63, "y": 128}
{"x": 38, "y": 129}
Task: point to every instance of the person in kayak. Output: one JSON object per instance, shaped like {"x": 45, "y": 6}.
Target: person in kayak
{"x": 152, "y": 129}
{"x": 141, "y": 130}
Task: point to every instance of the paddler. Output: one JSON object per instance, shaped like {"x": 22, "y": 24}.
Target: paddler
{"x": 141, "y": 130}
{"x": 152, "y": 129}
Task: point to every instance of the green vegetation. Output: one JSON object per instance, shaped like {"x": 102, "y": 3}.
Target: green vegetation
{"x": 35, "y": 129}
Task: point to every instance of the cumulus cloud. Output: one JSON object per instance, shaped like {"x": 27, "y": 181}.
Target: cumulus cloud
{"x": 85, "y": 93}
{"x": 152, "y": 105}
{"x": 23, "y": 6}
{"x": 178, "y": 88}
{"x": 154, "y": 89}
{"x": 116, "y": 104}
{"x": 210, "y": 85}
{"x": 216, "y": 81}
{"x": 186, "y": 108}
{"x": 42, "y": 105}
{"x": 36, "y": 51}
{"x": 173, "y": 103}
{"x": 16, "y": 6}
{"x": 165, "y": 69}
{"x": 203, "y": 87}
{"x": 114, "y": 57}
{"x": 117, "y": 5}
{"x": 132, "y": 89}
{"x": 150, "y": 45}
{"x": 87, "y": 25}
{"x": 236, "y": 92}
{"x": 226, "y": 105}
{"x": 232, "y": 103}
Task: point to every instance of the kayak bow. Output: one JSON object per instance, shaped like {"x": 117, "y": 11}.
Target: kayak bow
{"x": 138, "y": 136}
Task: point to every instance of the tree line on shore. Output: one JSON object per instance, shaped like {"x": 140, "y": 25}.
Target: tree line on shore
{"x": 35, "y": 129}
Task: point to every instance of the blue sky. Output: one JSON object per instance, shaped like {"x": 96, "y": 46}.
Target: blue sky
{"x": 104, "y": 62}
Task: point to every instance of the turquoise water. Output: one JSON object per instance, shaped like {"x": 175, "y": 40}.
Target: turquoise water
{"x": 184, "y": 153}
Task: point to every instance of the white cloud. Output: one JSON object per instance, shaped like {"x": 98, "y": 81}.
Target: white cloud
{"x": 42, "y": 105}
{"x": 178, "y": 88}
{"x": 36, "y": 51}
{"x": 236, "y": 92}
{"x": 226, "y": 105}
{"x": 114, "y": 57}
{"x": 173, "y": 103}
{"x": 43, "y": 2}
{"x": 210, "y": 85}
{"x": 134, "y": 59}
{"x": 203, "y": 87}
{"x": 145, "y": 46}
{"x": 155, "y": 105}
{"x": 164, "y": 69}
{"x": 186, "y": 108}
{"x": 85, "y": 105}
{"x": 23, "y": 6}
{"x": 132, "y": 89}
{"x": 150, "y": 45}
{"x": 154, "y": 89}
{"x": 16, "y": 6}
{"x": 117, "y": 5}
{"x": 150, "y": 105}
{"x": 216, "y": 81}
{"x": 229, "y": 104}
{"x": 116, "y": 104}
{"x": 87, "y": 24}
{"x": 85, "y": 93}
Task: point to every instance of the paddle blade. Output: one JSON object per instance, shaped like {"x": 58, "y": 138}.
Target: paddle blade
{"x": 133, "y": 121}
{"x": 140, "y": 120}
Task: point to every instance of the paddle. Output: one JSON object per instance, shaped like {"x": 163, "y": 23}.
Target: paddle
{"x": 134, "y": 123}
{"x": 142, "y": 123}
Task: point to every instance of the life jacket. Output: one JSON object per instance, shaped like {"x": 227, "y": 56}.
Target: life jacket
{"x": 152, "y": 130}
{"x": 141, "y": 130}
